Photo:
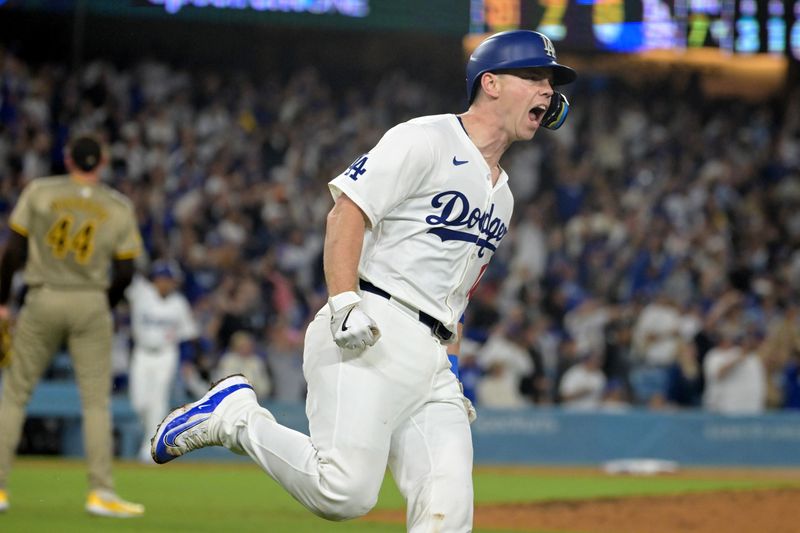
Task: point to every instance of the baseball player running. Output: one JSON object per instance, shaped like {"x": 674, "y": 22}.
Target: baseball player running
{"x": 68, "y": 232}
{"x": 414, "y": 225}
{"x": 162, "y": 327}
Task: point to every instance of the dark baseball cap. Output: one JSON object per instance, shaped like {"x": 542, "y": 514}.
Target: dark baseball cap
{"x": 86, "y": 152}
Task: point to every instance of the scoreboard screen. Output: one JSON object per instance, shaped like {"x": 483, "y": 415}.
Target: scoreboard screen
{"x": 732, "y": 26}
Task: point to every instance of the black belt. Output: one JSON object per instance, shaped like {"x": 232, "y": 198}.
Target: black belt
{"x": 437, "y": 328}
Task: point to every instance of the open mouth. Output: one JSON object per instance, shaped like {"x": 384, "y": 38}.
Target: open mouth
{"x": 536, "y": 113}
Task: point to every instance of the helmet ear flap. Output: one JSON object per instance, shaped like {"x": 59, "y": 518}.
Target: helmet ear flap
{"x": 556, "y": 114}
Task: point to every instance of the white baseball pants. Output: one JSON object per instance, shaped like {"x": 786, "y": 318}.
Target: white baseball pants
{"x": 395, "y": 403}
{"x": 150, "y": 379}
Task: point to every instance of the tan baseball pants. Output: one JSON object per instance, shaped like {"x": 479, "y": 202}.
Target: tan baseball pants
{"x": 50, "y": 318}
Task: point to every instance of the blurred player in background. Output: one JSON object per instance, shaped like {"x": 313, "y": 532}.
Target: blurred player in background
{"x": 69, "y": 232}
{"x": 162, "y": 329}
{"x": 415, "y": 222}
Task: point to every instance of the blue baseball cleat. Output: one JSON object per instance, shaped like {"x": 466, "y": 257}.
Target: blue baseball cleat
{"x": 189, "y": 427}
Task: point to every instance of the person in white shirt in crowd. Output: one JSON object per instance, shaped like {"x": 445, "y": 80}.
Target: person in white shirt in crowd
{"x": 586, "y": 323}
{"x": 242, "y": 358}
{"x": 508, "y": 346}
{"x": 530, "y": 257}
{"x": 499, "y": 388}
{"x": 734, "y": 373}
{"x": 656, "y": 334}
{"x": 162, "y": 328}
{"x": 655, "y": 343}
{"x": 583, "y": 384}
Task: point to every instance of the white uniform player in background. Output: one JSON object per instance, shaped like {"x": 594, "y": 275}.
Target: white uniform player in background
{"x": 414, "y": 225}
{"x": 161, "y": 319}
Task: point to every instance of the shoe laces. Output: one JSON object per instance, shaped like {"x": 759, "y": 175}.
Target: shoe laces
{"x": 197, "y": 437}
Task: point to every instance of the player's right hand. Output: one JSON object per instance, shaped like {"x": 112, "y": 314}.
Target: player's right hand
{"x": 351, "y": 327}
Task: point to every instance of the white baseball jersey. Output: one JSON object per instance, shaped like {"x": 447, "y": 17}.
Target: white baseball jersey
{"x": 436, "y": 219}
{"x": 159, "y": 323}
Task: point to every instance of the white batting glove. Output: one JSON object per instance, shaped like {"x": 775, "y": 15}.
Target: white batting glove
{"x": 472, "y": 414}
{"x": 352, "y": 328}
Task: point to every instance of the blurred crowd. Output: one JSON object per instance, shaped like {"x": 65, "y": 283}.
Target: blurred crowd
{"x": 653, "y": 260}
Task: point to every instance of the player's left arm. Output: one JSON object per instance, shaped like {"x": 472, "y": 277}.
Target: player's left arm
{"x": 14, "y": 257}
{"x": 123, "y": 274}
{"x": 16, "y": 252}
{"x": 128, "y": 248}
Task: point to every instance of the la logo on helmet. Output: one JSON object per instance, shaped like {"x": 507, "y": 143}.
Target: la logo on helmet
{"x": 549, "y": 49}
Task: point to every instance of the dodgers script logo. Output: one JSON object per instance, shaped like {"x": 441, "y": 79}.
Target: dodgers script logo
{"x": 456, "y": 211}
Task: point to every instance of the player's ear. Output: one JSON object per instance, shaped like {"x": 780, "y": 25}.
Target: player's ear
{"x": 490, "y": 84}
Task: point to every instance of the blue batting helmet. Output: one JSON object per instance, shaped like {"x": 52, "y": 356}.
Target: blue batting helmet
{"x": 515, "y": 49}
{"x": 166, "y": 268}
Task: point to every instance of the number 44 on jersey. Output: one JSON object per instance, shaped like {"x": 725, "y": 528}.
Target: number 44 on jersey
{"x": 356, "y": 168}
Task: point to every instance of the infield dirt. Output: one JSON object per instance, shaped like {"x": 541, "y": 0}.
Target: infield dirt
{"x": 765, "y": 510}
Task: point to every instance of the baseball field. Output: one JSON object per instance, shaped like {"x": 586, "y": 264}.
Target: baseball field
{"x": 47, "y": 495}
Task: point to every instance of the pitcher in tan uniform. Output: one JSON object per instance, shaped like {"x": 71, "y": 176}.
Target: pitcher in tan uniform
{"x": 69, "y": 232}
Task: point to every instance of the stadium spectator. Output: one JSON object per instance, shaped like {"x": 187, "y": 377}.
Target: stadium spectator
{"x": 618, "y": 357}
{"x": 499, "y": 387}
{"x": 615, "y": 397}
{"x": 242, "y": 358}
{"x": 684, "y": 378}
{"x": 505, "y": 356}
{"x": 779, "y": 353}
{"x": 655, "y": 343}
{"x": 586, "y": 323}
{"x": 583, "y": 385}
{"x": 734, "y": 374}
{"x": 791, "y": 382}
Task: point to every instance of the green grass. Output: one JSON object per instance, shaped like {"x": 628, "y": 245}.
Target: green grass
{"x": 509, "y": 488}
{"x": 47, "y": 495}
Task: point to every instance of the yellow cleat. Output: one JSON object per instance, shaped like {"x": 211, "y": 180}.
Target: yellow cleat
{"x": 106, "y": 503}
{"x": 3, "y": 500}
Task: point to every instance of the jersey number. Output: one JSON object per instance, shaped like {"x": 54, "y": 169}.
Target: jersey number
{"x": 356, "y": 168}
{"x": 61, "y": 240}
